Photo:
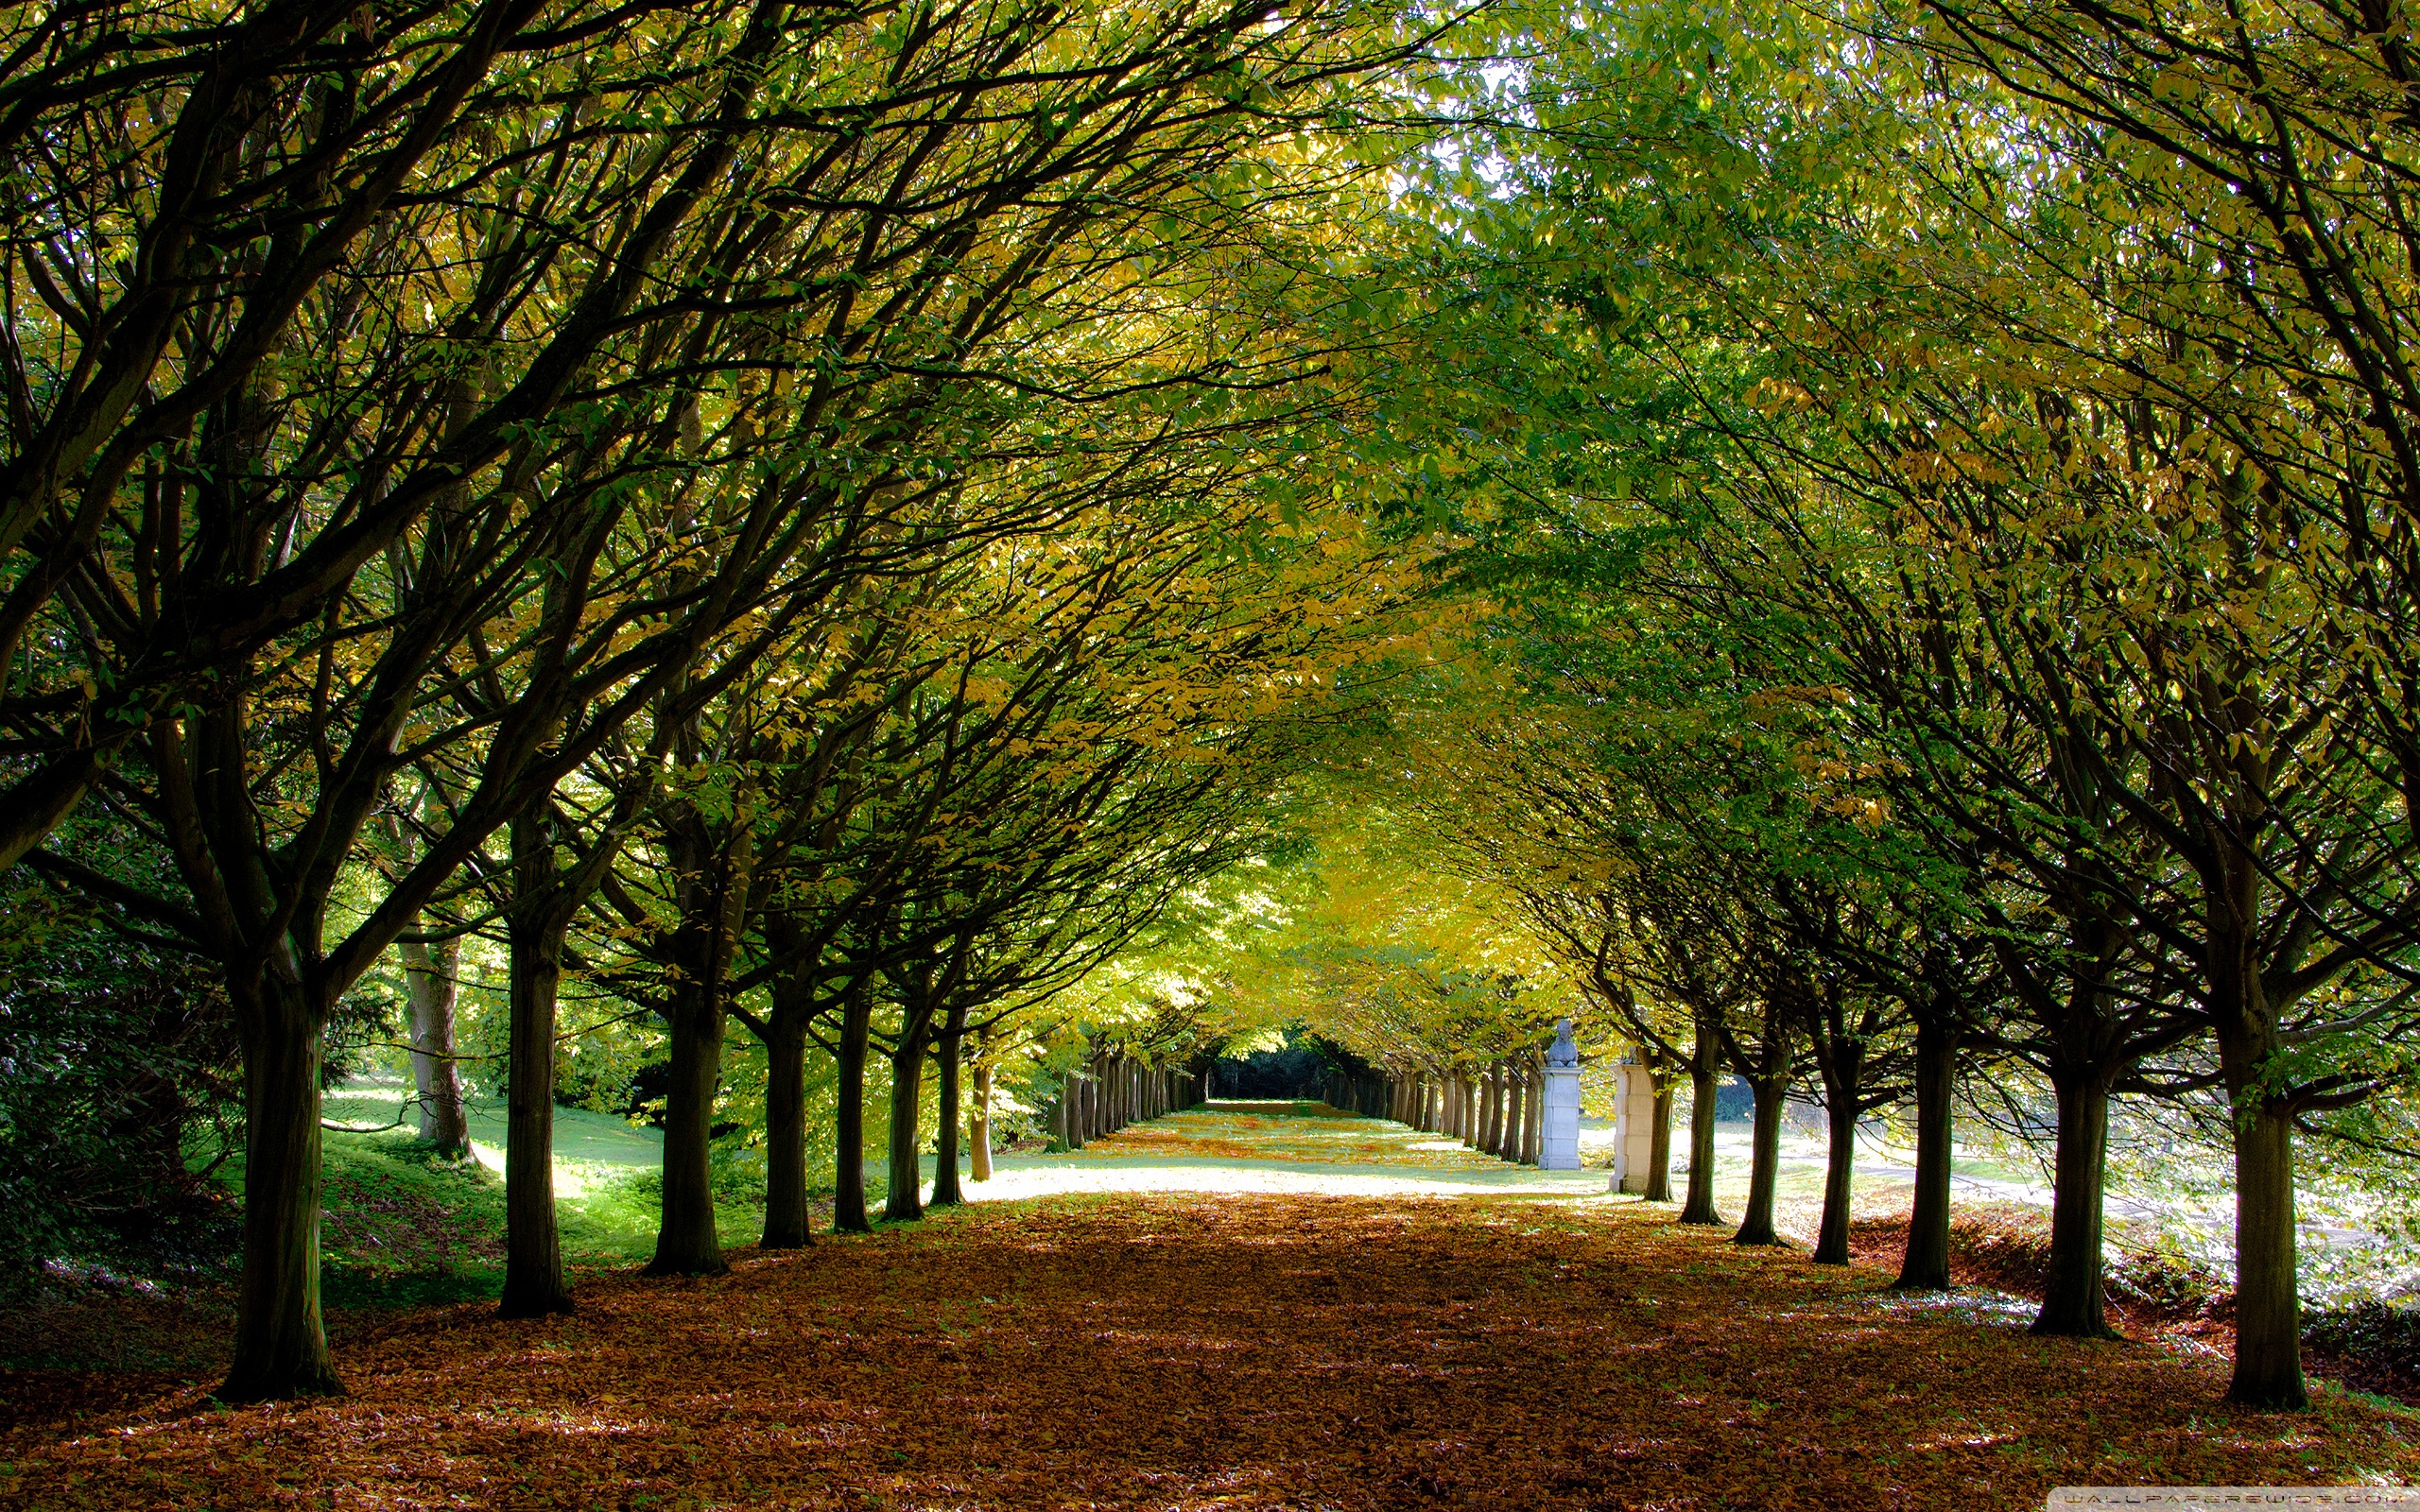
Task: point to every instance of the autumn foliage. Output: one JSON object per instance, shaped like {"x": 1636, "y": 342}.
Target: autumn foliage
{"x": 1266, "y": 1352}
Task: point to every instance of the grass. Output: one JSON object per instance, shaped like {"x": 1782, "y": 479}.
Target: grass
{"x": 403, "y": 1226}
{"x": 582, "y": 1137}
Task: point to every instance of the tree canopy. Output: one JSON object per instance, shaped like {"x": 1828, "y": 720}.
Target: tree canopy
{"x": 1870, "y": 549}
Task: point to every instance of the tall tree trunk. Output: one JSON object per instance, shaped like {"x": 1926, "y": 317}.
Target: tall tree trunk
{"x": 1703, "y": 1084}
{"x": 786, "y": 1226}
{"x": 533, "y": 1251}
{"x": 686, "y": 1243}
{"x": 1839, "y": 1175}
{"x": 2268, "y": 1311}
{"x": 1509, "y": 1146}
{"x": 1924, "y": 1266}
{"x": 905, "y": 1201}
{"x": 2073, "y": 1303}
{"x": 953, "y": 1038}
{"x": 281, "y": 1345}
{"x": 1659, "y": 1144}
{"x": 1533, "y": 1112}
{"x": 979, "y": 1124}
{"x": 849, "y": 1161}
{"x": 711, "y": 873}
{"x": 1491, "y": 1117}
{"x": 432, "y": 985}
{"x": 1764, "y": 1170}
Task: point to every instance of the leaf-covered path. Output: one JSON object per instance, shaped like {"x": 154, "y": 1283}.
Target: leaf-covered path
{"x": 1196, "y": 1350}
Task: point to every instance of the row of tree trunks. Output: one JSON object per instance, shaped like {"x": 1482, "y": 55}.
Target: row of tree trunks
{"x": 1115, "y": 1090}
{"x": 1362, "y": 1092}
{"x": 1499, "y": 1110}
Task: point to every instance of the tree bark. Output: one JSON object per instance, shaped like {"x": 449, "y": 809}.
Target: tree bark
{"x": 848, "y": 1159}
{"x": 1509, "y": 1146}
{"x": 711, "y": 868}
{"x": 1659, "y": 1144}
{"x": 533, "y": 1256}
{"x": 786, "y": 1226}
{"x": 1839, "y": 1176}
{"x": 432, "y": 983}
{"x": 2073, "y": 1303}
{"x": 1703, "y": 1084}
{"x": 280, "y": 1346}
{"x": 1924, "y": 1266}
{"x": 979, "y": 1124}
{"x": 1764, "y": 1171}
{"x": 686, "y": 1243}
{"x": 1532, "y": 1115}
{"x": 2268, "y": 1311}
{"x": 905, "y": 1201}
{"x": 946, "y": 1188}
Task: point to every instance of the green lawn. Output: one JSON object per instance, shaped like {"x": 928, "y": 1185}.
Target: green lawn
{"x": 580, "y": 1136}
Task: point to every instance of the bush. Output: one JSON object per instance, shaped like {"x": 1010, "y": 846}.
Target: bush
{"x": 119, "y": 1096}
{"x": 2374, "y": 1346}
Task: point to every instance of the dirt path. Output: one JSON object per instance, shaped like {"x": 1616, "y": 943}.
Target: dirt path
{"x": 1466, "y": 1346}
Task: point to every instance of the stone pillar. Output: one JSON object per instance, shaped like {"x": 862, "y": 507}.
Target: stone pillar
{"x": 1634, "y": 1127}
{"x": 1559, "y": 1125}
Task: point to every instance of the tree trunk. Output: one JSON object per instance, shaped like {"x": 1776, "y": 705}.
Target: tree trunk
{"x": 687, "y": 1245}
{"x": 1764, "y": 1171}
{"x": 432, "y": 983}
{"x": 1839, "y": 1175}
{"x": 849, "y": 1161}
{"x": 1703, "y": 1084}
{"x": 1491, "y": 1113}
{"x": 280, "y": 1346}
{"x": 1509, "y": 1146}
{"x": 2268, "y": 1311}
{"x": 1532, "y": 1115}
{"x": 1659, "y": 1146}
{"x": 905, "y": 1201}
{"x": 784, "y": 1133}
{"x": 945, "y": 1189}
{"x": 2073, "y": 1303}
{"x": 534, "y": 1252}
{"x": 979, "y": 1124}
{"x": 1925, "y": 1267}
